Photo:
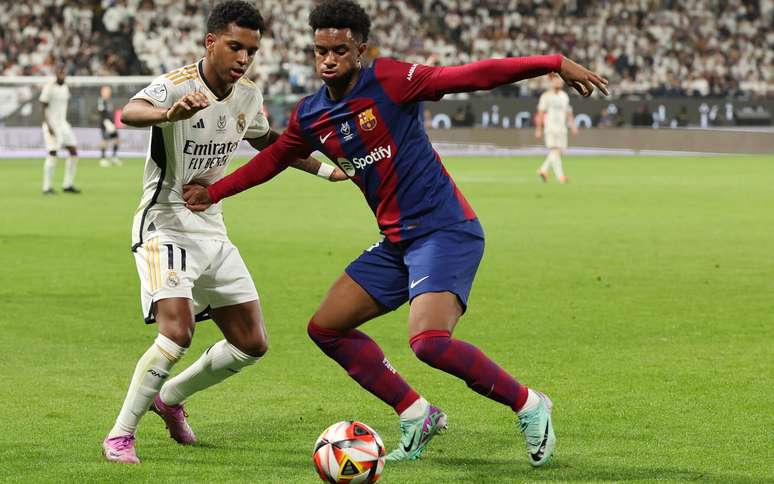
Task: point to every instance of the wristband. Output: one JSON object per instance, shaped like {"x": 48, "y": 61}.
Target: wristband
{"x": 325, "y": 171}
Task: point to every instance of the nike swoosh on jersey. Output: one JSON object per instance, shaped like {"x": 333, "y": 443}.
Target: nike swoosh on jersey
{"x": 323, "y": 139}
{"x": 417, "y": 282}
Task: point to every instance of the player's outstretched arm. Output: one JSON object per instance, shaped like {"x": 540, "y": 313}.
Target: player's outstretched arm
{"x": 140, "y": 113}
{"x": 309, "y": 165}
{"x": 581, "y": 79}
{"x": 413, "y": 82}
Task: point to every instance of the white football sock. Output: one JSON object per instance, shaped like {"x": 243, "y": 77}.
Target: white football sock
{"x": 48, "y": 172}
{"x": 70, "y": 166}
{"x": 219, "y": 362}
{"x": 532, "y": 402}
{"x": 557, "y": 162}
{"x": 150, "y": 373}
{"x": 546, "y": 164}
{"x": 415, "y": 410}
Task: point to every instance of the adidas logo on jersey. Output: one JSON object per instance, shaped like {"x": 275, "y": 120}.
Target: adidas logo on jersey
{"x": 199, "y": 124}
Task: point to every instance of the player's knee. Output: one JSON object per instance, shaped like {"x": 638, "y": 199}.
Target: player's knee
{"x": 321, "y": 336}
{"x": 429, "y": 344}
{"x": 256, "y": 347}
{"x": 182, "y": 335}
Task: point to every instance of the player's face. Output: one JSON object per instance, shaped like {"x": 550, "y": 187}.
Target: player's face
{"x": 337, "y": 55}
{"x": 60, "y": 76}
{"x": 105, "y": 92}
{"x": 232, "y": 51}
{"x": 557, "y": 83}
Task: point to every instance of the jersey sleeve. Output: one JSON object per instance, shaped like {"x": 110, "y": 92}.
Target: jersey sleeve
{"x": 160, "y": 93}
{"x": 267, "y": 164}
{"x": 259, "y": 126}
{"x": 406, "y": 83}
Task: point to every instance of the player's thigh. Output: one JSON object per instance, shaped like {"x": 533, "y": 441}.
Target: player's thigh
{"x": 175, "y": 319}
{"x": 226, "y": 281}
{"x": 243, "y": 326}
{"x": 50, "y": 140}
{"x": 67, "y": 137}
{"x": 347, "y": 305}
{"x": 556, "y": 139}
{"x": 442, "y": 267}
{"x": 372, "y": 284}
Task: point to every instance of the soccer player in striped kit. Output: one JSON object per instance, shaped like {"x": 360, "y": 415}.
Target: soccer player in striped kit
{"x": 368, "y": 120}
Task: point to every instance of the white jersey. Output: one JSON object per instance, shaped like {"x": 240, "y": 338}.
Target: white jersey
{"x": 56, "y": 96}
{"x": 193, "y": 150}
{"x": 556, "y": 105}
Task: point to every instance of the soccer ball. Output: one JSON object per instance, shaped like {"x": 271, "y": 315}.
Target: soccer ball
{"x": 349, "y": 453}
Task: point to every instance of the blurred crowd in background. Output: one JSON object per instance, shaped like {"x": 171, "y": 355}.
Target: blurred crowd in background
{"x": 646, "y": 47}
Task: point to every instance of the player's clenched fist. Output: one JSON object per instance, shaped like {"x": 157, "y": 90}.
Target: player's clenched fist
{"x": 196, "y": 197}
{"x": 187, "y": 106}
{"x": 581, "y": 79}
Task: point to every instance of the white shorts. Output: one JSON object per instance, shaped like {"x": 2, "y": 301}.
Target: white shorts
{"x": 556, "y": 139}
{"x": 209, "y": 272}
{"x": 63, "y": 136}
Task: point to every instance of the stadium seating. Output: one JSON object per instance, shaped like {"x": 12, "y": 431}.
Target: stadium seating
{"x": 660, "y": 47}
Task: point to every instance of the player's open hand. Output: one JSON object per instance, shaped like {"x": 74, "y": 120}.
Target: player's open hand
{"x": 187, "y": 106}
{"x": 196, "y": 197}
{"x": 582, "y": 79}
{"x": 338, "y": 175}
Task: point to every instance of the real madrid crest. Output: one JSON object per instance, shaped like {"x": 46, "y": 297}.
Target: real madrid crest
{"x": 367, "y": 120}
{"x": 172, "y": 279}
{"x": 240, "y": 125}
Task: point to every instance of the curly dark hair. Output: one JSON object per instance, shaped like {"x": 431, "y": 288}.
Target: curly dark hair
{"x": 237, "y": 11}
{"x": 341, "y": 14}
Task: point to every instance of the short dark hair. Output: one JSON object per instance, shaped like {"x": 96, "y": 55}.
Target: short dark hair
{"x": 341, "y": 14}
{"x": 241, "y": 13}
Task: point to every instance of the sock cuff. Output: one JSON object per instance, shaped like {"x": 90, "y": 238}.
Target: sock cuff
{"x": 430, "y": 333}
{"x": 238, "y": 354}
{"x": 408, "y": 400}
{"x": 314, "y": 329}
{"x": 171, "y": 350}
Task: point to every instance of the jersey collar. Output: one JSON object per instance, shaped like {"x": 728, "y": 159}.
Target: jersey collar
{"x": 200, "y": 70}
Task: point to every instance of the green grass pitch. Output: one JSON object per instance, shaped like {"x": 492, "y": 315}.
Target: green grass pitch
{"x": 639, "y": 297}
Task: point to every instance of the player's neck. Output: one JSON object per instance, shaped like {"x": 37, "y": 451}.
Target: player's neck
{"x": 213, "y": 82}
{"x": 336, "y": 93}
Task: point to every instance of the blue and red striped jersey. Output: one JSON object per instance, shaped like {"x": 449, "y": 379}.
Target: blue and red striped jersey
{"x": 376, "y": 135}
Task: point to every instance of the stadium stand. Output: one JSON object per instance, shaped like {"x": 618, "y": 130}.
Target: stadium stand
{"x": 659, "y": 47}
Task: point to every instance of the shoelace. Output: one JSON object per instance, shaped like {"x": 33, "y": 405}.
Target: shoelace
{"x": 123, "y": 443}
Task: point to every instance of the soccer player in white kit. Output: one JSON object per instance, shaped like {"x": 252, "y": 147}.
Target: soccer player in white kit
{"x": 553, "y": 117}
{"x": 189, "y": 270}
{"x": 57, "y": 133}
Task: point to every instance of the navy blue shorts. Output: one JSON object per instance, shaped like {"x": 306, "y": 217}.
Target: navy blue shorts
{"x": 443, "y": 260}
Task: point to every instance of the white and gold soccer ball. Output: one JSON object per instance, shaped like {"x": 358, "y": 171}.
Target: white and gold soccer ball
{"x": 349, "y": 452}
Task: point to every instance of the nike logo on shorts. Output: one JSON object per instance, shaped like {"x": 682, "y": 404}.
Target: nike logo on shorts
{"x": 418, "y": 282}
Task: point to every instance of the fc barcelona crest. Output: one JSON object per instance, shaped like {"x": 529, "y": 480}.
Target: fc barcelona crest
{"x": 240, "y": 125}
{"x": 367, "y": 120}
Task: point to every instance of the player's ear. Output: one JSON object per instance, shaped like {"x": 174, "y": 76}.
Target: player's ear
{"x": 209, "y": 41}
